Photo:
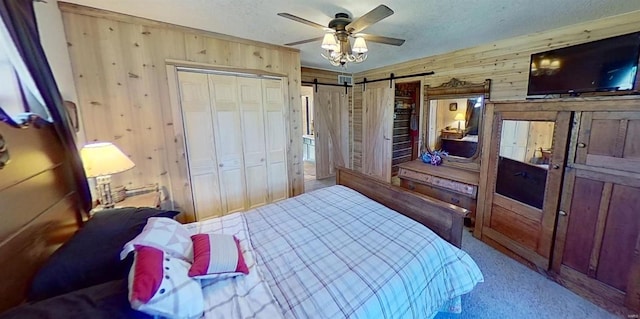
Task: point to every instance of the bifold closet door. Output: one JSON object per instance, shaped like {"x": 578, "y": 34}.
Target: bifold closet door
{"x": 228, "y": 139}
{"x": 276, "y": 136}
{"x": 253, "y": 138}
{"x": 199, "y": 138}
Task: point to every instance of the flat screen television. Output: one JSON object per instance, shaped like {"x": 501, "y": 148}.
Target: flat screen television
{"x": 605, "y": 65}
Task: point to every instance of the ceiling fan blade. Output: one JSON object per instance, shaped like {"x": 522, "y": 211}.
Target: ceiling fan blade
{"x": 304, "y": 41}
{"x": 371, "y": 17}
{"x": 381, "y": 39}
{"x": 301, "y": 20}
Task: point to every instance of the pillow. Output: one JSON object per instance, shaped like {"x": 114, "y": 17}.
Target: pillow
{"x": 104, "y": 301}
{"x": 159, "y": 285}
{"x": 216, "y": 254}
{"x": 165, "y": 234}
{"x": 91, "y": 257}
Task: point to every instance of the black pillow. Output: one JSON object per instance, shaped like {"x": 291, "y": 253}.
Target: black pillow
{"x": 92, "y": 255}
{"x": 105, "y": 301}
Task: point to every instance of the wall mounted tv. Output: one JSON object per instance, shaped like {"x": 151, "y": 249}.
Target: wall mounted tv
{"x": 605, "y": 65}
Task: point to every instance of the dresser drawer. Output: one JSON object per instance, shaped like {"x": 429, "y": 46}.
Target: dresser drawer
{"x": 441, "y": 194}
{"x": 466, "y": 189}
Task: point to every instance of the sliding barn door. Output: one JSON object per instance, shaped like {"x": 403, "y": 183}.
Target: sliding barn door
{"x": 199, "y": 138}
{"x": 228, "y": 138}
{"x": 276, "y": 136}
{"x": 331, "y": 114}
{"x": 377, "y": 129}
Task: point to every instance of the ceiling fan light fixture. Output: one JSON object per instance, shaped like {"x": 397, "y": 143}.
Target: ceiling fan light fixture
{"x": 360, "y": 46}
{"x": 329, "y": 42}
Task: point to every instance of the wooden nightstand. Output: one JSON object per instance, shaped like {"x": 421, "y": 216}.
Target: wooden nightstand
{"x": 150, "y": 199}
{"x": 451, "y": 134}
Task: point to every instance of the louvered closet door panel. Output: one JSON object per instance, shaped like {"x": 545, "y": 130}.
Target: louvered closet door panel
{"x": 228, "y": 136}
{"x": 198, "y": 125}
{"x": 273, "y": 94}
{"x": 251, "y": 110}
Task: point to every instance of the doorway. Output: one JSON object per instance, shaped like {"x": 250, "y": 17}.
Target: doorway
{"x": 308, "y": 134}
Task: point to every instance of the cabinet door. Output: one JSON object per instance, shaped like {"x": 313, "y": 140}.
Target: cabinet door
{"x": 250, "y": 98}
{"x": 276, "y": 137}
{"x": 228, "y": 136}
{"x": 522, "y": 198}
{"x": 199, "y": 138}
{"x": 377, "y": 130}
{"x": 609, "y": 140}
{"x": 598, "y": 239}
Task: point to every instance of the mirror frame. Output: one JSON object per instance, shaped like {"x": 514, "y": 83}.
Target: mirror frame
{"x": 456, "y": 89}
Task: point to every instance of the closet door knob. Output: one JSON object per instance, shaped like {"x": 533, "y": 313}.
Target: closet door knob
{"x": 221, "y": 165}
{"x": 582, "y": 145}
{"x": 556, "y": 166}
{"x": 562, "y": 213}
{"x": 262, "y": 160}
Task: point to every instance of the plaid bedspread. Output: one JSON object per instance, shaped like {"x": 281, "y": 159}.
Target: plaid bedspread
{"x": 333, "y": 253}
{"x": 238, "y": 297}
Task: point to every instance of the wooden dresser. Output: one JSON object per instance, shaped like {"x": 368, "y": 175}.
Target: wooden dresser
{"x": 452, "y": 185}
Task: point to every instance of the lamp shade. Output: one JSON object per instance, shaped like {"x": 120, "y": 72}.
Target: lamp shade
{"x": 360, "y": 46}
{"x": 329, "y": 42}
{"x": 101, "y": 159}
{"x": 459, "y": 117}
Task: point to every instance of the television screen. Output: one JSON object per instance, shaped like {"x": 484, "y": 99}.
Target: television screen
{"x": 605, "y": 65}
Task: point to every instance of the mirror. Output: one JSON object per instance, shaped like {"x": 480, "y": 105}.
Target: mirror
{"x": 523, "y": 162}
{"x": 453, "y": 118}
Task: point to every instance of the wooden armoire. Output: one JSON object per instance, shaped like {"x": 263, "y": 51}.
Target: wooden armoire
{"x": 585, "y": 233}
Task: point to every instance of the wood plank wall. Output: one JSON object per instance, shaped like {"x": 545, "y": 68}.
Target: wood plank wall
{"x": 505, "y": 62}
{"x": 326, "y": 76}
{"x": 119, "y": 69}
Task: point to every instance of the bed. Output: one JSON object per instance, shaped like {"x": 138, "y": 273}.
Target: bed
{"x": 463, "y": 147}
{"x": 331, "y": 253}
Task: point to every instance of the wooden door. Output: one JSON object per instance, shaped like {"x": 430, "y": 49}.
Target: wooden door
{"x": 199, "y": 139}
{"x": 228, "y": 138}
{"x": 331, "y": 119}
{"x": 253, "y": 140}
{"x": 610, "y": 140}
{"x": 598, "y": 238}
{"x": 276, "y": 137}
{"x": 521, "y": 209}
{"x": 377, "y": 129}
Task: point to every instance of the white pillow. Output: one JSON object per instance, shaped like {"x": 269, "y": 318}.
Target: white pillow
{"x": 159, "y": 286}
{"x": 165, "y": 234}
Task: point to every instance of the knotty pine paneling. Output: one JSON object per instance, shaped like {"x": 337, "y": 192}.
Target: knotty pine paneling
{"x": 118, "y": 64}
{"x": 505, "y": 62}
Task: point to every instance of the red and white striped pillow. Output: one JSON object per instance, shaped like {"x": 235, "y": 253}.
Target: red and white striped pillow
{"x": 215, "y": 254}
{"x": 159, "y": 285}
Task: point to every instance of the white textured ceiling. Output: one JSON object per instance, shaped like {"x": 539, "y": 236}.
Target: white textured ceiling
{"x": 429, "y": 26}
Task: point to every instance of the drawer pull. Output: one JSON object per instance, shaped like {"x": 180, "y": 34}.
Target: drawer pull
{"x": 455, "y": 200}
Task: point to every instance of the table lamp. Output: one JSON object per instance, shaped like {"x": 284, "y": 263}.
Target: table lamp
{"x": 101, "y": 160}
{"x": 459, "y": 117}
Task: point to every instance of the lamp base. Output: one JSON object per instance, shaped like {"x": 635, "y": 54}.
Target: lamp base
{"x": 103, "y": 185}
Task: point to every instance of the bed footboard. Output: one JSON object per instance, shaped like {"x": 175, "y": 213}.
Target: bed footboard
{"x": 444, "y": 219}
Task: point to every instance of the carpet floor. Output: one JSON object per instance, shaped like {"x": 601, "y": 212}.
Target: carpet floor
{"x": 511, "y": 290}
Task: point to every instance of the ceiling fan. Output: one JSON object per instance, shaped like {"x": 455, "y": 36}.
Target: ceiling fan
{"x": 337, "y": 33}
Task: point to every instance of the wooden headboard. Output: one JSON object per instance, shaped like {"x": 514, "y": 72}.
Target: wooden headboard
{"x": 444, "y": 219}
{"x": 38, "y": 204}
